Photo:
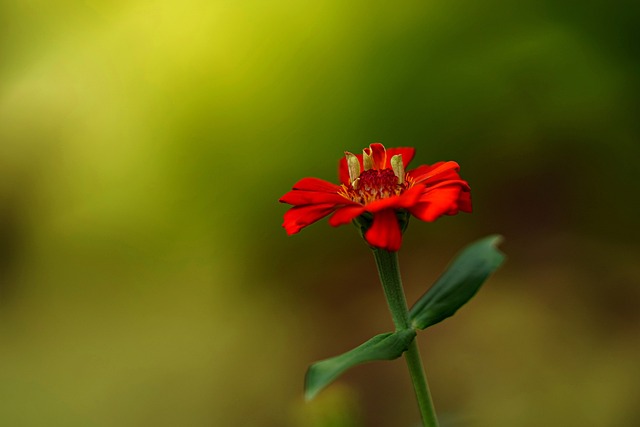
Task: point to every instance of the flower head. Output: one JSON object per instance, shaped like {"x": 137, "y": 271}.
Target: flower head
{"x": 376, "y": 187}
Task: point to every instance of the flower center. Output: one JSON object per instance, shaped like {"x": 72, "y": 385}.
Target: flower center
{"x": 374, "y": 185}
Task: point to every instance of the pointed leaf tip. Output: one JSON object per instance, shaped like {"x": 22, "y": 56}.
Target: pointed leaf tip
{"x": 459, "y": 283}
{"x": 387, "y": 346}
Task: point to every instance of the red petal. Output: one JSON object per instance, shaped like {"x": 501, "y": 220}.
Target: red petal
{"x": 383, "y": 204}
{"x": 404, "y": 201}
{"x": 465, "y": 202}
{"x": 297, "y": 198}
{"x": 459, "y": 182}
{"x": 385, "y": 231}
{"x": 316, "y": 184}
{"x": 436, "y": 172}
{"x": 309, "y": 191}
{"x": 379, "y": 155}
{"x": 407, "y": 155}
{"x": 345, "y": 215}
{"x": 411, "y": 196}
{"x": 296, "y": 218}
{"x": 434, "y": 204}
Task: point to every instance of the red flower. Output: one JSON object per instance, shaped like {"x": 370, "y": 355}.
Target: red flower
{"x": 381, "y": 189}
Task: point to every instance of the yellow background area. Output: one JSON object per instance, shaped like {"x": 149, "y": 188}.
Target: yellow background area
{"x": 145, "y": 279}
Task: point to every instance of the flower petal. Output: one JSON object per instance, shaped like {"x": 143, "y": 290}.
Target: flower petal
{"x": 298, "y": 217}
{"x": 407, "y": 155}
{"x": 385, "y": 231}
{"x": 345, "y": 215}
{"x": 464, "y": 203}
{"x": 379, "y": 155}
{"x": 403, "y": 201}
{"x": 436, "y": 172}
{"x": 298, "y": 198}
{"x": 316, "y": 184}
{"x": 441, "y": 201}
{"x": 449, "y": 182}
{"x": 309, "y": 191}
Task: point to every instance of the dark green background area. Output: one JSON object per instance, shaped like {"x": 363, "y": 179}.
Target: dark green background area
{"x": 145, "y": 279}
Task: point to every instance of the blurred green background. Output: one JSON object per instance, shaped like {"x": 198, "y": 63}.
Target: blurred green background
{"x": 144, "y": 276}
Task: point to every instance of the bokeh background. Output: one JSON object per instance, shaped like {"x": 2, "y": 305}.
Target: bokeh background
{"x": 145, "y": 279}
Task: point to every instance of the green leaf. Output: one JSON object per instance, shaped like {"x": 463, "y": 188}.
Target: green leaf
{"x": 381, "y": 347}
{"x": 458, "y": 283}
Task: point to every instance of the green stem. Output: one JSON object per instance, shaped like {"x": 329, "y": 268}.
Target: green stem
{"x": 389, "y": 271}
{"x": 412, "y": 357}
